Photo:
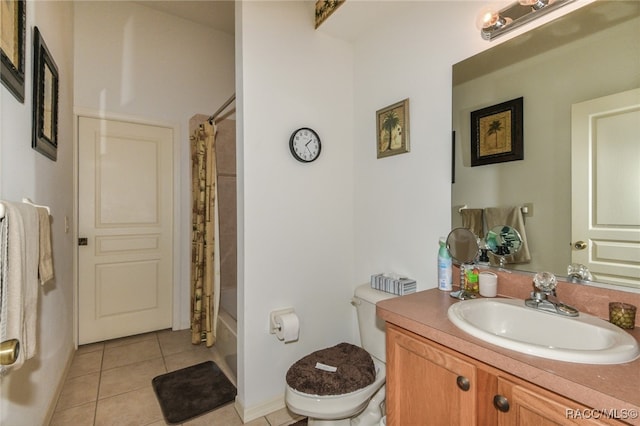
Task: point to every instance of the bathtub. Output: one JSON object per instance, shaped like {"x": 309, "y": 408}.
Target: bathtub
{"x": 229, "y": 301}
{"x": 227, "y": 336}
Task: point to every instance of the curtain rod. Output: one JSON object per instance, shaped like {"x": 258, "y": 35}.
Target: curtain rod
{"x": 222, "y": 108}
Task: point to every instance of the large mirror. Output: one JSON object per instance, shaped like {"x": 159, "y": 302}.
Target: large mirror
{"x": 587, "y": 54}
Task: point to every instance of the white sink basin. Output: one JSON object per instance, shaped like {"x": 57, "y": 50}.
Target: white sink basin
{"x": 510, "y": 324}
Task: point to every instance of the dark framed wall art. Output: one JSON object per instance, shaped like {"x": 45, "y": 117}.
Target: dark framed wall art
{"x": 497, "y": 133}
{"x": 45, "y": 99}
{"x": 324, "y": 9}
{"x": 12, "y": 40}
{"x": 392, "y": 129}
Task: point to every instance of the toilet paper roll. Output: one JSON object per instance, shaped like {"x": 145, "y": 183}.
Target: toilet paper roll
{"x": 288, "y": 327}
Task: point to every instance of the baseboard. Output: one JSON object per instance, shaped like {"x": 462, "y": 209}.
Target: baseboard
{"x": 54, "y": 401}
{"x": 252, "y": 413}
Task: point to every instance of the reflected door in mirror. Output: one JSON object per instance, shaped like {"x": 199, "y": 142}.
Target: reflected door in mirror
{"x": 606, "y": 187}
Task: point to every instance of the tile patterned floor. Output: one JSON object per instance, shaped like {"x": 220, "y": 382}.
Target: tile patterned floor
{"x": 109, "y": 383}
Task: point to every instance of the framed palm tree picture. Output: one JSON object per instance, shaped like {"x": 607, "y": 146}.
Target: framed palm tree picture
{"x": 393, "y": 129}
{"x": 497, "y": 133}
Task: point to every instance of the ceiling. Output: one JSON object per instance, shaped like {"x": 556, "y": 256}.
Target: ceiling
{"x": 354, "y": 20}
{"x": 217, "y": 14}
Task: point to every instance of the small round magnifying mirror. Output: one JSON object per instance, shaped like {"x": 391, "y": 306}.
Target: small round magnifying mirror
{"x": 462, "y": 245}
{"x": 503, "y": 241}
{"x": 463, "y": 248}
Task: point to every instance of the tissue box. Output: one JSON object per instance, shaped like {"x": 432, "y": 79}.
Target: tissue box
{"x": 393, "y": 283}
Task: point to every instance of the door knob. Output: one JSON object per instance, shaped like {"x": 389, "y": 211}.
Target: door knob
{"x": 580, "y": 245}
{"x": 82, "y": 241}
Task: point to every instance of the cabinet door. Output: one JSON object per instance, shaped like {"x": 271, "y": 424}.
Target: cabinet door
{"x": 529, "y": 405}
{"x": 423, "y": 383}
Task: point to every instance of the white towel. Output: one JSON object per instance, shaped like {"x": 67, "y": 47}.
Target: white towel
{"x": 45, "y": 264}
{"x": 4, "y": 276}
{"x": 20, "y": 289}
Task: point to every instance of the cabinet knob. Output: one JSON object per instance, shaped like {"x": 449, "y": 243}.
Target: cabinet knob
{"x": 463, "y": 383}
{"x": 501, "y": 403}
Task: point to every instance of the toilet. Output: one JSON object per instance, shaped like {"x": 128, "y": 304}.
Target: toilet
{"x": 361, "y": 406}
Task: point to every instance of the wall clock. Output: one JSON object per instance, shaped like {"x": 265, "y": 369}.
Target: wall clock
{"x": 305, "y": 145}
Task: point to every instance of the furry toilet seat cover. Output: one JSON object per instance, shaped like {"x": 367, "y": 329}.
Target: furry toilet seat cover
{"x": 354, "y": 370}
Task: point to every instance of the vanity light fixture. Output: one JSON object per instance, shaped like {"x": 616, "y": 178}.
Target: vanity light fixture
{"x": 492, "y": 22}
{"x": 535, "y": 4}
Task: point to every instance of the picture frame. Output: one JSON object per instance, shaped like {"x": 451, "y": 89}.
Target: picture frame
{"x": 453, "y": 157}
{"x": 324, "y": 9}
{"x": 392, "y": 129}
{"x": 497, "y": 133}
{"x": 12, "y": 46}
{"x": 45, "y": 99}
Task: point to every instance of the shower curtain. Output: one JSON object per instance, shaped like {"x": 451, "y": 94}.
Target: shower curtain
{"x": 205, "y": 259}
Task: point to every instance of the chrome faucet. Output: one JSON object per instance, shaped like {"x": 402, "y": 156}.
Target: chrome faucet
{"x": 545, "y": 298}
{"x": 579, "y": 272}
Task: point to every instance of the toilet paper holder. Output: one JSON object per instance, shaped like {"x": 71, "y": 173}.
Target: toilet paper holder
{"x": 273, "y": 327}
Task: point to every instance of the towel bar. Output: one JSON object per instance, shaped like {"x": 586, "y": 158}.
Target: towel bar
{"x": 9, "y": 351}
{"x": 524, "y": 209}
{"x": 24, "y": 200}
{"x": 28, "y": 201}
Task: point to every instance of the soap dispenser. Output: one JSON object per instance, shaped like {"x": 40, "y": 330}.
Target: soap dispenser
{"x": 483, "y": 259}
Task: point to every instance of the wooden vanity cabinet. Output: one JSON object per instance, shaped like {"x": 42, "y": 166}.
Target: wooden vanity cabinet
{"x": 535, "y": 406}
{"x": 430, "y": 384}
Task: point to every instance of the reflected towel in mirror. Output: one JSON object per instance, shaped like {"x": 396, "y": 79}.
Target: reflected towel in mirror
{"x": 472, "y": 220}
{"x": 510, "y": 216}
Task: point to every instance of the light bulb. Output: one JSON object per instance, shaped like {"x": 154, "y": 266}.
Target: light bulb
{"x": 489, "y": 18}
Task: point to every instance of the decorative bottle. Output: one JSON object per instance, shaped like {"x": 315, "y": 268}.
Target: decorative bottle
{"x": 445, "y": 281}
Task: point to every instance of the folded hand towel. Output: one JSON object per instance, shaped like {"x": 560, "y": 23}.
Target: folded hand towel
{"x": 472, "y": 220}
{"x": 510, "y": 216}
{"x": 4, "y": 276}
{"x": 45, "y": 265}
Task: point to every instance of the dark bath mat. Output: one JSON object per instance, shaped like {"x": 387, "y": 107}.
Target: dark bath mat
{"x": 192, "y": 391}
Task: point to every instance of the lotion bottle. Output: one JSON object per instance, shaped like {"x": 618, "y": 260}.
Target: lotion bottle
{"x": 445, "y": 280}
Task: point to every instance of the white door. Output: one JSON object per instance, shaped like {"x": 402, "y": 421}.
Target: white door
{"x": 605, "y": 167}
{"x": 125, "y": 278}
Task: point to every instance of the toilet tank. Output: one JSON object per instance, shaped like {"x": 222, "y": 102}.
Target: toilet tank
{"x": 372, "y": 328}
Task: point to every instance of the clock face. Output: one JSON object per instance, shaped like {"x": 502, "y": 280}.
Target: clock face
{"x": 305, "y": 145}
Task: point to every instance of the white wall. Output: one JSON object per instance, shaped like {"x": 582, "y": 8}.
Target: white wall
{"x": 135, "y": 61}
{"x": 296, "y": 219}
{"x": 401, "y": 200}
{"x": 27, "y": 395}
